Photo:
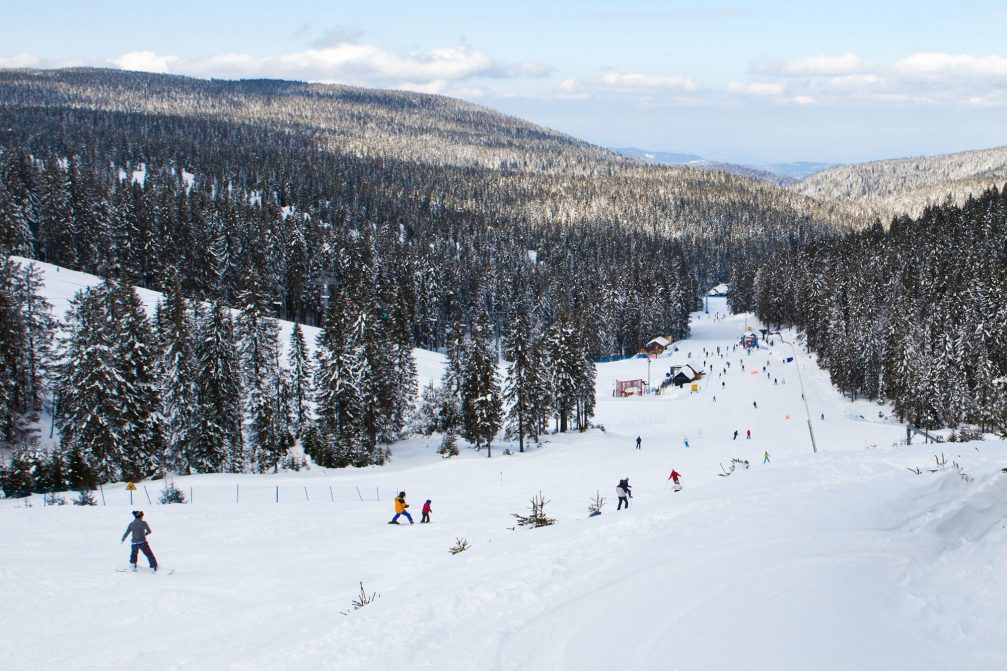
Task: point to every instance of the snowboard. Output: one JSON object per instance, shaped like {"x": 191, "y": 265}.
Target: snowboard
{"x": 676, "y": 488}
{"x": 147, "y": 569}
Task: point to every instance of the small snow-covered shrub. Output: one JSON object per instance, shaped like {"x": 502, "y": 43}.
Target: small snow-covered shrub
{"x": 171, "y": 494}
{"x": 85, "y": 498}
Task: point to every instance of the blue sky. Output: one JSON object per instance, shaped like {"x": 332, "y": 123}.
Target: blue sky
{"x": 738, "y": 81}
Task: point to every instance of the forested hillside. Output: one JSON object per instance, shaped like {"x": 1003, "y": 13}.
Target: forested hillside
{"x": 395, "y": 220}
{"x": 913, "y": 314}
{"x": 456, "y": 197}
{"x": 906, "y": 186}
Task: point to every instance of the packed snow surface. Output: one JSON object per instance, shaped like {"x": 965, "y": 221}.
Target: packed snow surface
{"x": 840, "y": 559}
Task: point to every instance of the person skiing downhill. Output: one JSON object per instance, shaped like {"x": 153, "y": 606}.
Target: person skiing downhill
{"x": 765, "y": 458}
{"x": 735, "y": 435}
{"x": 748, "y": 434}
{"x": 623, "y": 492}
{"x": 140, "y": 531}
{"x": 400, "y": 509}
{"x": 638, "y": 441}
{"x": 426, "y": 512}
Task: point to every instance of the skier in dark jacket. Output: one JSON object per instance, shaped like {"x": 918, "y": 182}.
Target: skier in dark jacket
{"x": 140, "y": 531}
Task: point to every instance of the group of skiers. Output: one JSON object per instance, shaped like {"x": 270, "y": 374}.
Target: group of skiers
{"x": 400, "y": 509}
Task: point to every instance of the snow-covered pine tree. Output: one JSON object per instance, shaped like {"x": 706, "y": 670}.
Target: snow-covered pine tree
{"x": 89, "y": 391}
{"x": 481, "y": 402}
{"x": 39, "y": 334}
{"x": 109, "y": 403}
{"x": 258, "y": 343}
{"x": 451, "y": 382}
{"x": 300, "y": 380}
{"x": 179, "y": 388}
{"x": 135, "y": 358}
{"x": 521, "y": 390}
{"x": 11, "y": 346}
{"x": 217, "y": 443}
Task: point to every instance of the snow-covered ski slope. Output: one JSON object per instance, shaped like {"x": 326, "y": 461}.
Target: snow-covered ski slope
{"x": 837, "y": 560}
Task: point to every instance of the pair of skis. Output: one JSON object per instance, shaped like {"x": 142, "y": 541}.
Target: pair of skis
{"x": 142, "y": 569}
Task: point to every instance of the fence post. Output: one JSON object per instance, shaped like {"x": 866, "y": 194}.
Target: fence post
{"x": 377, "y": 494}
{"x": 237, "y": 492}
{"x": 148, "y": 495}
{"x": 359, "y": 494}
{"x": 100, "y": 489}
{"x": 306, "y": 494}
{"x": 190, "y": 495}
{"x": 330, "y": 494}
{"x": 277, "y": 493}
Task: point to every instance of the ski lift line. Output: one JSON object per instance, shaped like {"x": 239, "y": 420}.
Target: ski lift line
{"x": 804, "y": 395}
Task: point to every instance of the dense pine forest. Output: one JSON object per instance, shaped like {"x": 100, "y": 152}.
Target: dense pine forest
{"x": 913, "y": 314}
{"x": 393, "y": 220}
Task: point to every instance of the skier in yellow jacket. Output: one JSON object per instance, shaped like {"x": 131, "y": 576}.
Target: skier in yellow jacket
{"x": 400, "y": 509}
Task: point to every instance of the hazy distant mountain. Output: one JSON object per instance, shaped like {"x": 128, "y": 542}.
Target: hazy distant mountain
{"x": 776, "y": 173}
{"x": 798, "y": 169}
{"x": 908, "y": 185}
{"x": 658, "y": 157}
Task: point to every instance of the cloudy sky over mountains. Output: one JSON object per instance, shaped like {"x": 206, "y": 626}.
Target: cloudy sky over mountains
{"x": 781, "y": 81}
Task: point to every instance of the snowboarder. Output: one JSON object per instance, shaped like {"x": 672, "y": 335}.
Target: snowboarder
{"x": 735, "y": 435}
{"x": 638, "y": 441}
{"x": 624, "y": 493}
{"x": 748, "y": 434}
{"x": 675, "y": 475}
{"x": 765, "y": 458}
{"x": 400, "y": 509}
{"x": 426, "y": 512}
{"x": 140, "y": 531}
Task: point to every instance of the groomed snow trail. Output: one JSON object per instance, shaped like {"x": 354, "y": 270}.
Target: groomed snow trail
{"x": 837, "y": 560}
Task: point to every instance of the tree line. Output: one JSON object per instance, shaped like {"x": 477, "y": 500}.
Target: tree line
{"x": 912, "y": 314}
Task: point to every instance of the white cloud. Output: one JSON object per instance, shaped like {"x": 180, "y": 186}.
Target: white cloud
{"x": 145, "y": 61}
{"x": 571, "y": 89}
{"x": 815, "y": 66}
{"x": 20, "y": 61}
{"x": 952, "y": 69}
{"x": 361, "y": 64}
{"x": 803, "y": 100}
{"x": 640, "y": 82}
{"x": 756, "y": 88}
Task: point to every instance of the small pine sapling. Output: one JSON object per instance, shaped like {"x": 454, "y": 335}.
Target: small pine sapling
{"x": 537, "y": 518}
{"x": 449, "y": 446}
{"x": 171, "y": 494}
{"x": 596, "y": 504}
{"x": 461, "y": 545}
{"x": 85, "y": 498}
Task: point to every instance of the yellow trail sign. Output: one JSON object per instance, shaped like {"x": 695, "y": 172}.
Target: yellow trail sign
{"x": 130, "y": 487}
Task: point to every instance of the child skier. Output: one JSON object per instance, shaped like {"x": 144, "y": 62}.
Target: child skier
{"x": 623, "y": 492}
{"x": 765, "y": 458}
{"x": 426, "y": 512}
{"x": 140, "y": 531}
{"x": 400, "y": 509}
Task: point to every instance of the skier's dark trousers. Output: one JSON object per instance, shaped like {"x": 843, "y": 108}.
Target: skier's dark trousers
{"x": 140, "y": 531}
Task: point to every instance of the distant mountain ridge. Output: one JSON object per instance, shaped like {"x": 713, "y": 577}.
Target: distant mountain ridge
{"x": 908, "y": 185}
{"x": 781, "y": 174}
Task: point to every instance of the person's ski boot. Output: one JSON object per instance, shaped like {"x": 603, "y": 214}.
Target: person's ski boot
{"x": 133, "y": 567}
{"x": 393, "y": 522}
